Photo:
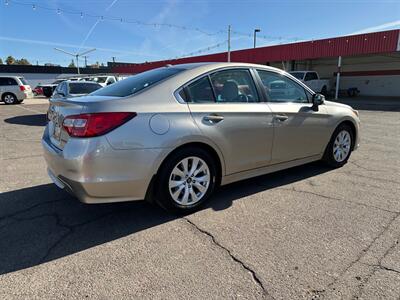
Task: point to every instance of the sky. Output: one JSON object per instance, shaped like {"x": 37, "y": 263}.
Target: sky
{"x": 156, "y": 30}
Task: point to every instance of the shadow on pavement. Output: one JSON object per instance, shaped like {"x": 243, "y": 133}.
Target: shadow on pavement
{"x": 42, "y": 223}
{"x": 29, "y": 120}
{"x": 372, "y": 103}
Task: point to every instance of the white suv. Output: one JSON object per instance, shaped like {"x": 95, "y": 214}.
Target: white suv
{"x": 14, "y": 89}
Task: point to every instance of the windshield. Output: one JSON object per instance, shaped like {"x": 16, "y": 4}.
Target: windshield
{"x": 83, "y": 87}
{"x": 298, "y": 75}
{"x": 136, "y": 83}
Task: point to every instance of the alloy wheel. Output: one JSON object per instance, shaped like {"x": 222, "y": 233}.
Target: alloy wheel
{"x": 342, "y": 145}
{"x": 9, "y": 99}
{"x": 189, "y": 181}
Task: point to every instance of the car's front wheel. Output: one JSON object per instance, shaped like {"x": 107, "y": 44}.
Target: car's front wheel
{"x": 338, "y": 151}
{"x": 186, "y": 180}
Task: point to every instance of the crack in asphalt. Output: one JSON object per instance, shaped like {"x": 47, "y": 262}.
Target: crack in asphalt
{"x": 319, "y": 293}
{"x": 377, "y": 266}
{"x": 370, "y": 177}
{"x": 70, "y": 229}
{"x": 21, "y": 157}
{"x": 360, "y": 256}
{"x": 338, "y": 199}
{"x": 253, "y": 273}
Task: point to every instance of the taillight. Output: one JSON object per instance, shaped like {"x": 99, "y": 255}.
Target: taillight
{"x": 22, "y": 88}
{"x": 95, "y": 124}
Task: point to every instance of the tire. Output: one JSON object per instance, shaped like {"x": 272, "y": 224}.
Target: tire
{"x": 324, "y": 91}
{"x": 9, "y": 98}
{"x": 340, "y": 146}
{"x": 183, "y": 192}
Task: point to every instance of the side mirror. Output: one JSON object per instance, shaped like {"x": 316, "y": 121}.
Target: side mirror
{"x": 317, "y": 99}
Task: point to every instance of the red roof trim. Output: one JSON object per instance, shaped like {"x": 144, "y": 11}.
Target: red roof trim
{"x": 368, "y": 43}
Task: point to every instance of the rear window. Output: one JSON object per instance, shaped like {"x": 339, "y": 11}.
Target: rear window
{"x": 298, "y": 75}
{"x": 22, "y": 79}
{"x": 83, "y": 88}
{"x": 136, "y": 83}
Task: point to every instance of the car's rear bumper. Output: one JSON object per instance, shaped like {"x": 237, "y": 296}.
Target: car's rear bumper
{"x": 94, "y": 172}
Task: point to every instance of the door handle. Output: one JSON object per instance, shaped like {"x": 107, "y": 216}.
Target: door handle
{"x": 281, "y": 118}
{"x": 213, "y": 119}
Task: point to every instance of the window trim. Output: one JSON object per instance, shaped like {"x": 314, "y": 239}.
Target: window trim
{"x": 261, "y": 97}
{"x": 296, "y": 82}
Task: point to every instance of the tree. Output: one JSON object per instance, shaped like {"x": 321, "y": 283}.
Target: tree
{"x": 22, "y": 61}
{"x": 10, "y": 60}
{"x": 72, "y": 64}
{"x": 1, "y": 61}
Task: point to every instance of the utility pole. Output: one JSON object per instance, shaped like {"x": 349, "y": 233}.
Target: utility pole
{"x": 76, "y": 55}
{"x": 85, "y": 56}
{"x": 338, "y": 77}
{"x": 229, "y": 43}
{"x": 255, "y": 35}
{"x": 113, "y": 58}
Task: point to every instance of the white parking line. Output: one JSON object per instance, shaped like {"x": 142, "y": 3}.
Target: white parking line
{"x": 30, "y": 109}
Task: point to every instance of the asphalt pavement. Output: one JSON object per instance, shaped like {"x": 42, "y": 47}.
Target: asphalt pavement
{"x": 305, "y": 233}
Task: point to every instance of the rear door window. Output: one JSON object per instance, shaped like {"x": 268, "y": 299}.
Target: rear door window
{"x": 235, "y": 85}
{"x": 8, "y": 81}
{"x": 200, "y": 91}
{"x": 311, "y": 76}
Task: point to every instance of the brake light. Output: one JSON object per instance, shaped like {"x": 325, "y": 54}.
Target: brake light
{"x": 95, "y": 124}
{"x": 22, "y": 88}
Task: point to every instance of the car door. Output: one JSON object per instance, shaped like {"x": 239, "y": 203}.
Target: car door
{"x": 299, "y": 130}
{"x": 226, "y": 107}
{"x": 2, "y": 84}
{"x": 311, "y": 80}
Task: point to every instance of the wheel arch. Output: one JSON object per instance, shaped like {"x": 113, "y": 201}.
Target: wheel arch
{"x": 211, "y": 150}
{"x": 8, "y": 93}
{"x": 216, "y": 155}
{"x": 353, "y": 128}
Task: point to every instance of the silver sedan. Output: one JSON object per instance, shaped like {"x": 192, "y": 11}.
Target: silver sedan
{"x": 173, "y": 134}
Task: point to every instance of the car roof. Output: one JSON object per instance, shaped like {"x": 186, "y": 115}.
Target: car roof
{"x": 80, "y": 82}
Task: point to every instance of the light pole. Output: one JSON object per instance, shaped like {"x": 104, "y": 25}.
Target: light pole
{"x": 76, "y": 55}
{"x": 255, "y": 35}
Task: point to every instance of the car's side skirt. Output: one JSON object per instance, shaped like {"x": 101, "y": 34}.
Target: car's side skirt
{"x": 268, "y": 169}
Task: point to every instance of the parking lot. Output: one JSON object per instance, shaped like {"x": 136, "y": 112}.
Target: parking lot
{"x": 308, "y": 232}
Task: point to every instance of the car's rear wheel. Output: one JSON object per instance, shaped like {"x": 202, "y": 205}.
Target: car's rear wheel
{"x": 338, "y": 151}
{"x": 186, "y": 180}
{"x": 9, "y": 98}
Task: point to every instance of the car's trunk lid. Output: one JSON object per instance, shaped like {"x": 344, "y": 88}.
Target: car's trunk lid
{"x": 61, "y": 108}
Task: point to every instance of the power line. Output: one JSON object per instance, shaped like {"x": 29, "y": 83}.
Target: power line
{"x": 82, "y": 14}
{"x": 267, "y": 37}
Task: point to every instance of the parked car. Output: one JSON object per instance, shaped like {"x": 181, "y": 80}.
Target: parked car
{"x": 38, "y": 90}
{"x": 14, "y": 89}
{"x": 172, "y": 135}
{"x": 102, "y": 80}
{"x": 313, "y": 81}
{"x": 48, "y": 89}
{"x": 70, "y": 89}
